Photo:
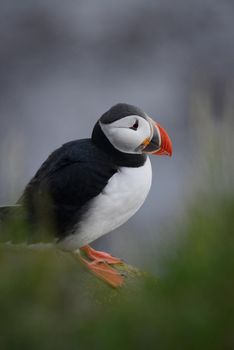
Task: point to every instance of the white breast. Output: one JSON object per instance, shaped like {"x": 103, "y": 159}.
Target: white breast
{"x": 120, "y": 199}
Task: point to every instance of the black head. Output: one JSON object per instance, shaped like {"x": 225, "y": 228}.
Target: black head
{"x": 119, "y": 111}
{"x": 127, "y": 130}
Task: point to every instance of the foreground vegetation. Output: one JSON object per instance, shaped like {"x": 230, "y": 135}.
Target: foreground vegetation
{"x": 48, "y": 300}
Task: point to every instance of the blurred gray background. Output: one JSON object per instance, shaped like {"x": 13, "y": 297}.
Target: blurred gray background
{"x": 64, "y": 63}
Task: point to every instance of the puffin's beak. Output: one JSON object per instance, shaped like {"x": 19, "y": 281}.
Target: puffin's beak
{"x": 160, "y": 143}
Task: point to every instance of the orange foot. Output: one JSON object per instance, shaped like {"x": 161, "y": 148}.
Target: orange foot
{"x": 93, "y": 254}
{"x": 103, "y": 271}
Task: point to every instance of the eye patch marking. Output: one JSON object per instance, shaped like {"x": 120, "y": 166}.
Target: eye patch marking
{"x": 135, "y": 126}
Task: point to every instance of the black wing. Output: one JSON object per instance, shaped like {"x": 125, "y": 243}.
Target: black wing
{"x": 65, "y": 183}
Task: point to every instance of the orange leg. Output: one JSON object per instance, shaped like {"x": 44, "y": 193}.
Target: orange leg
{"x": 103, "y": 271}
{"x": 95, "y": 255}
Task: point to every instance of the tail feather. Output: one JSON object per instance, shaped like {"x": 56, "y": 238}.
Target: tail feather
{"x": 13, "y": 226}
{"x": 9, "y": 210}
{"x": 16, "y": 227}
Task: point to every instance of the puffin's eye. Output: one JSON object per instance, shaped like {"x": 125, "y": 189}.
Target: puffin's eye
{"x": 135, "y": 126}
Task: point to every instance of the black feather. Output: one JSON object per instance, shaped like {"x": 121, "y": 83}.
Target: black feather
{"x": 62, "y": 189}
{"x": 65, "y": 183}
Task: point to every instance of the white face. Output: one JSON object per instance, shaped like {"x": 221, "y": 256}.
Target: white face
{"x": 128, "y": 134}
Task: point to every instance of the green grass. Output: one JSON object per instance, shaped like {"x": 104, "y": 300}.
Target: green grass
{"x": 48, "y": 300}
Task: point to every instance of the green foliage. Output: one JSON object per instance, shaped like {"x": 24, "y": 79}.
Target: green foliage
{"x": 49, "y": 301}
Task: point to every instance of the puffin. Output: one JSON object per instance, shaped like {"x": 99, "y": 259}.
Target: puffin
{"x": 89, "y": 187}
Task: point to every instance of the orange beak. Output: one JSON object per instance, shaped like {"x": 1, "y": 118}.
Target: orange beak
{"x": 166, "y": 144}
{"x": 160, "y": 143}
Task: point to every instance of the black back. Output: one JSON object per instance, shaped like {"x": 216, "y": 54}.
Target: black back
{"x": 75, "y": 173}
{"x": 61, "y": 190}
{"x": 66, "y": 181}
